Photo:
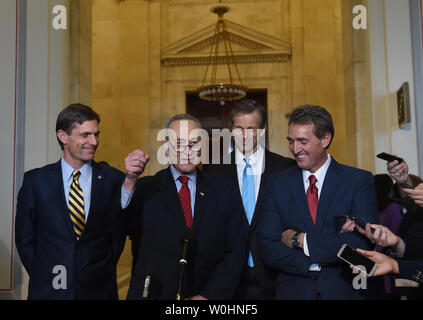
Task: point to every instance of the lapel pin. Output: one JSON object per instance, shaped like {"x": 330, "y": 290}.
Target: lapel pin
{"x": 99, "y": 177}
{"x": 201, "y": 193}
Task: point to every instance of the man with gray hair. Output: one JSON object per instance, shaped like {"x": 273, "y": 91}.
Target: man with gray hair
{"x": 191, "y": 243}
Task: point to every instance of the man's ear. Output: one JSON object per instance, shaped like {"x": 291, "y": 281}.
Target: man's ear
{"x": 326, "y": 140}
{"x": 262, "y": 131}
{"x": 62, "y": 136}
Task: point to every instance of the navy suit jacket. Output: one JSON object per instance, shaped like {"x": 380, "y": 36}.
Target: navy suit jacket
{"x": 273, "y": 163}
{"x": 217, "y": 250}
{"x": 45, "y": 237}
{"x": 410, "y": 269}
{"x": 345, "y": 190}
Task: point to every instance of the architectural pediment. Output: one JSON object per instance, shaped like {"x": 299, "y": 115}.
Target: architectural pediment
{"x": 248, "y": 45}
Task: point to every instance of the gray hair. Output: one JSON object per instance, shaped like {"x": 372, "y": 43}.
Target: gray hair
{"x": 182, "y": 116}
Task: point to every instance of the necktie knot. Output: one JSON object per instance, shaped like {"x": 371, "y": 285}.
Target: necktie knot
{"x": 313, "y": 180}
{"x": 247, "y": 162}
{"x": 183, "y": 179}
{"x": 76, "y": 174}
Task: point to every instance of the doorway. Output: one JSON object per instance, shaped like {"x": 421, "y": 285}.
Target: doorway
{"x": 214, "y": 116}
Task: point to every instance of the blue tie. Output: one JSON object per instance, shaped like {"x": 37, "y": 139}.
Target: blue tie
{"x": 248, "y": 198}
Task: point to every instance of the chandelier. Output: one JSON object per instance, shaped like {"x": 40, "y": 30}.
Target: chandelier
{"x": 210, "y": 89}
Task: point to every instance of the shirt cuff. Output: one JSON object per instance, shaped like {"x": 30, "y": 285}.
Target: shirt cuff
{"x": 400, "y": 254}
{"x": 126, "y": 197}
{"x": 305, "y": 246}
{"x": 314, "y": 266}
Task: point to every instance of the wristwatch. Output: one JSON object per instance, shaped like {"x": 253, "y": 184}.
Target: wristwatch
{"x": 295, "y": 240}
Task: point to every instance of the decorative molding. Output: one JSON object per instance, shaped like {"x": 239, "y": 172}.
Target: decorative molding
{"x": 252, "y": 47}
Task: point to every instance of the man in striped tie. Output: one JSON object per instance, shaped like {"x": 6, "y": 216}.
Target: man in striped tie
{"x": 68, "y": 232}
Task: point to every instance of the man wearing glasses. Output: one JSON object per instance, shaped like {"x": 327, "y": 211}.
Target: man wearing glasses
{"x": 181, "y": 207}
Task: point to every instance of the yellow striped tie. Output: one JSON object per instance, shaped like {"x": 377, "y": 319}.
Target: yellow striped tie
{"x": 76, "y": 205}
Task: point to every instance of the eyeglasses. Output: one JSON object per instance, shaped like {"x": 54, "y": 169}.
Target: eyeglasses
{"x": 182, "y": 147}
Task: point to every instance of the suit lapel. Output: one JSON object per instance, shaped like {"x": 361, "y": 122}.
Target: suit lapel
{"x": 202, "y": 195}
{"x": 96, "y": 193}
{"x": 170, "y": 197}
{"x": 267, "y": 163}
{"x": 264, "y": 176}
{"x": 296, "y": 184}
{"x": 56, "y": 182}
{"x": 234, "y": 172}
{"x": 329, "y": 188}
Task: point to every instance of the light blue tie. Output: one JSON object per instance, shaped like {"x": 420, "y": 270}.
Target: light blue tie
{"x": 248, "y": 198}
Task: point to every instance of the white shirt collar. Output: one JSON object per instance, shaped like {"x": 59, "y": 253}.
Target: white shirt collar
{"x": 319, "y": 174}
{"x": 254, "y": 158}
{"x": 176, "y": 174}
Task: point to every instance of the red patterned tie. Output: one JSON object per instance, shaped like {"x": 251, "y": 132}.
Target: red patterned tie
{"x": 185, "y": 198}
{"x": 312, "y": 198}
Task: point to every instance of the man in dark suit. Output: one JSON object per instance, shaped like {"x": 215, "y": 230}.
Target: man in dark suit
{"x": 181, "y": 204}
{"x": 67, "y": 232}
{"x": 248, "y": 128}
{"x": 303, "y": 205}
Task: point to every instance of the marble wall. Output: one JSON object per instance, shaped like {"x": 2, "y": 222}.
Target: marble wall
{"x": 135, "y": 92}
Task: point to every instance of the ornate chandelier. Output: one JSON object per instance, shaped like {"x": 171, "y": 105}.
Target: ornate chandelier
{"x": 217, "y": 91}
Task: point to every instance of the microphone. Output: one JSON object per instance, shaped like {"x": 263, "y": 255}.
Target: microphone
{"x": 183, "y": 261}
{"x": 146, "y": 290}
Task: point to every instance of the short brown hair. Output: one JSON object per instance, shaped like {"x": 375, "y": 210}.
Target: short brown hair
{"x": 247, "y": 106}
{"x": 73, "y": 114}
{"x": 316, "y": 115}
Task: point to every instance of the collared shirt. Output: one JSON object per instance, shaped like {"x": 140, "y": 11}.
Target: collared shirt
{"x": 192, "y": 184}
{"x": 85, "y": 180}
{"x": 320, "y": 176}
{"x": 256, "y": 162}
{"x": 125, "y": 197}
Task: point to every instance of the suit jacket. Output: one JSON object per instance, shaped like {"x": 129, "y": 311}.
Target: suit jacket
{"x": 217, "y": 247}
{"x": 45, "y": 237}
{"x": 411, "y": 269}
{"x": 273, "y": 163}
{"x": 345, "y": 190}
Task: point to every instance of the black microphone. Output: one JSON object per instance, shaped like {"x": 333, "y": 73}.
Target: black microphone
{"x": 184, "y": 260}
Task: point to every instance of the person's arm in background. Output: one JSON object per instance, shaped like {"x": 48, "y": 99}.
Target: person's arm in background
{"x": 409, "y": 269}
{"x": 416, "y": 194}
{"x": 399, "y": 173}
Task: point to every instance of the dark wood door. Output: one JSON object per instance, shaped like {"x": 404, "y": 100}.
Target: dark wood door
{"x": 214, "y": 116}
